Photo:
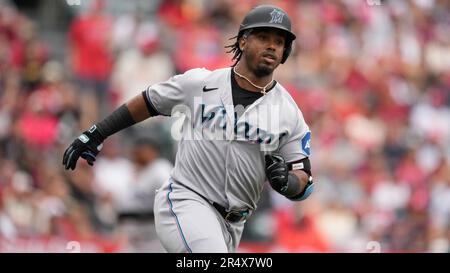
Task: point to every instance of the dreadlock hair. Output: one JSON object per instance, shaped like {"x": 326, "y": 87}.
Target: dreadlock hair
{"x": 234, "y": 48}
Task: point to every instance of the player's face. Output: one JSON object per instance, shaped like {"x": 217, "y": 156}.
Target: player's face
{"x": 263, "y": 50}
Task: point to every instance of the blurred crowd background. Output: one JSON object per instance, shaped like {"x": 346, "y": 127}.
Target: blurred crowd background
{"x": 372, "y": 79}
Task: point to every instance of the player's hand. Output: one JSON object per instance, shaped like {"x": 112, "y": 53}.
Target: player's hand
{"x": 87, "y": 145}
{"x": 277, "y": 172}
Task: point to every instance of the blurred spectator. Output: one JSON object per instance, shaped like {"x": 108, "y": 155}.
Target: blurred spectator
{"x": 135, "y": 211}
{"x": 142, "y": 65}
{"x": 99, "y": 208}
{"x": 113, "y": 173}
{"x": 298, "y": 231}
{"x": 91, "y": 59}
{"x": 199, "y": 47}
{"x": 439, "y": 208}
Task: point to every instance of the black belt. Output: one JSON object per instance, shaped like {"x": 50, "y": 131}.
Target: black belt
{"x": 231, "y": 216}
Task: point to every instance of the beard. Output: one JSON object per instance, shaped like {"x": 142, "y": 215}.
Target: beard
{"x": 259, "y": 69}
{"x": 262, "y": 71}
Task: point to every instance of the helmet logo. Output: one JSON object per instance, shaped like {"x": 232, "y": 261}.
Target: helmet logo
{"x": 277, "y": 16}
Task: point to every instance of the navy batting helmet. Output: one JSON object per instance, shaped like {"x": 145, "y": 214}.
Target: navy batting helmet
{"x": 273, "y": 17}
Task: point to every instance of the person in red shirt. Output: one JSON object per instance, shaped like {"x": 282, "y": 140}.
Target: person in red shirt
{"x": 90, "y": 53}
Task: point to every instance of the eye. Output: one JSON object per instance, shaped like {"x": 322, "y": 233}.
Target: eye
{"x": 279, "y": 42}
{"x": 262, "y": 37}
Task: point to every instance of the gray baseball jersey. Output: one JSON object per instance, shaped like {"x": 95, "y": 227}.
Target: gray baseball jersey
{"x": 221, "y": 154}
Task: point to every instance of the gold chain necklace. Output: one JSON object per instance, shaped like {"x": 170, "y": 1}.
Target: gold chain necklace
{"x": 263, "y": 88}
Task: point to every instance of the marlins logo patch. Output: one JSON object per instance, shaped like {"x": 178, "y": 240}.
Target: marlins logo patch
{"x": 306, "y": 143}
{"x": 277, "y": 16}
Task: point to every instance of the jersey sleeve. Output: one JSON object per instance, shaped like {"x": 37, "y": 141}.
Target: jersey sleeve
{"x": 296, "y": 145}
{"x": 163, "y": 97}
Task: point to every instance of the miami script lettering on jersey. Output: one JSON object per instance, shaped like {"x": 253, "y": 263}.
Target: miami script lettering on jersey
{"x": 219, "y": 122}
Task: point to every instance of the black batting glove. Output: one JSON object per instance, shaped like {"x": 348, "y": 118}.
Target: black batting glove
{"x": 87, "y": 145}
{"x": 277, "y": 172}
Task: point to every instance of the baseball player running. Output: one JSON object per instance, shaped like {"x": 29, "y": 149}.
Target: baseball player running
{"x": 239, "y": 129}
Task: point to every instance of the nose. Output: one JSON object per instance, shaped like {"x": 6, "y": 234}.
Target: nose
{"x": 272, "y": 44}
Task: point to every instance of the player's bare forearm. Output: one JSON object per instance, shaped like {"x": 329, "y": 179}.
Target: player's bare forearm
{"x": 138, "y": 108}
{"x": 302, "y": 179}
